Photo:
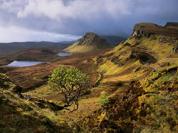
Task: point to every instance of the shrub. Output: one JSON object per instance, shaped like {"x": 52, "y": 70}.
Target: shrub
{"x": 71, "y": 82}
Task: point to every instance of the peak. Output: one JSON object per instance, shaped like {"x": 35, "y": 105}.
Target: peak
{"x": 91, "y": 34}
{"x": 91, "y": 38}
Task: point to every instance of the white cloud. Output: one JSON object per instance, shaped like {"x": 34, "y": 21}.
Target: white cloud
{"x": 12, "y": 6}
{"x": 57, "y": 9}
{"x": 49, "y": 8}
{"x": 79, "y": 16}
{"x": 18, "y": 34}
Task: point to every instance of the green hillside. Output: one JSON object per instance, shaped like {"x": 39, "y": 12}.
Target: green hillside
{"x": 132, "y": 88}
{"x": 144, "y": 72}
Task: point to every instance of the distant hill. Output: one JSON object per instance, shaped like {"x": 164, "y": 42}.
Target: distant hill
{"x": 9, "y": 48}
{"x": 38, "y": 54}
{"x": 89, "y": 42}
{"x": 134, "y": 87}
{"x": 113, "y": 40}
{"x": 172, "y": 25}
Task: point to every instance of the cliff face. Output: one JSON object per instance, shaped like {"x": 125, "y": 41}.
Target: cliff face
{"x": 148, "y": 29}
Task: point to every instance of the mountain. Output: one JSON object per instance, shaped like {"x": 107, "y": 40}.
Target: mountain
{"x": 14, "y": 47}
{"x": 143, "y": 74}
{"x": 35, "y": 54}
{"x": 113, "y": 40}
{"x": 134, "y": 88}
{"x": 173, "y": 25}
{"x": 89, "y": 42}
{"x": 147, "y": 29}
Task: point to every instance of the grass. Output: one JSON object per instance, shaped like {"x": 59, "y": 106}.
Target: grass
{"x": 154, "y": 46}
{"x": 109, "y": 68}
{"x": 75, "y": 48}
{"x": 157, "y": 102}
{"x": 41, "y": 91}
{"x": 19, "y": 115}
{"x": 154, "y": 109}
{"x": 103, "y": 100}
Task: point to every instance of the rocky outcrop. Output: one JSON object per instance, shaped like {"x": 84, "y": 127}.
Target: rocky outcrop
{"x": 147, "y": 29}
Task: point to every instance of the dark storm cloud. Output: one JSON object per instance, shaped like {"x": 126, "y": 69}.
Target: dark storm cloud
{"x": 79, "y": 16}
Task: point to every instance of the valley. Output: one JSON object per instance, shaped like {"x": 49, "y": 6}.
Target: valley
{"x": 133, "y": 85}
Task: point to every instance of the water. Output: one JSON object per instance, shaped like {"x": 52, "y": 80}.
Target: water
{"x": 23, "y": 63}
{"x": 64, "y": 54}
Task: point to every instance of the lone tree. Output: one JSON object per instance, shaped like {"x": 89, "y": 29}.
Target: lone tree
{"x": 71, "y": 82}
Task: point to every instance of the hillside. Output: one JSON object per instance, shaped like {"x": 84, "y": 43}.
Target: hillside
{"x": 144, "y": 71}
{"x": 134, "y": 88}
{"x": 23, "y": 115}
{"x": 14, "y": 47}
{"x": 89, "y": 42}
{"x": 37, "y": 75}
{"x": 36, "y": 54}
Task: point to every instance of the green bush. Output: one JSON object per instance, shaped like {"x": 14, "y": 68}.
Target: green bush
{"x": 71, "y": 82}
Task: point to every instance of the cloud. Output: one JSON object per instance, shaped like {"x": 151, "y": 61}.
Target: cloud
{"x": 80, "y": 16}
{"x": 38, "y": 8}
{"x": 57, "y": 9}
{"x": 16, "y": 34}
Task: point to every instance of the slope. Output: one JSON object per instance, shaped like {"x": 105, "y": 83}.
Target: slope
{"x": 23, "y": 115}
{"x": 144, "y": 71}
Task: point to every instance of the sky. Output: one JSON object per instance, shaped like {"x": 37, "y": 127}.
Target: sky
{"x": 64, "y": 20}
